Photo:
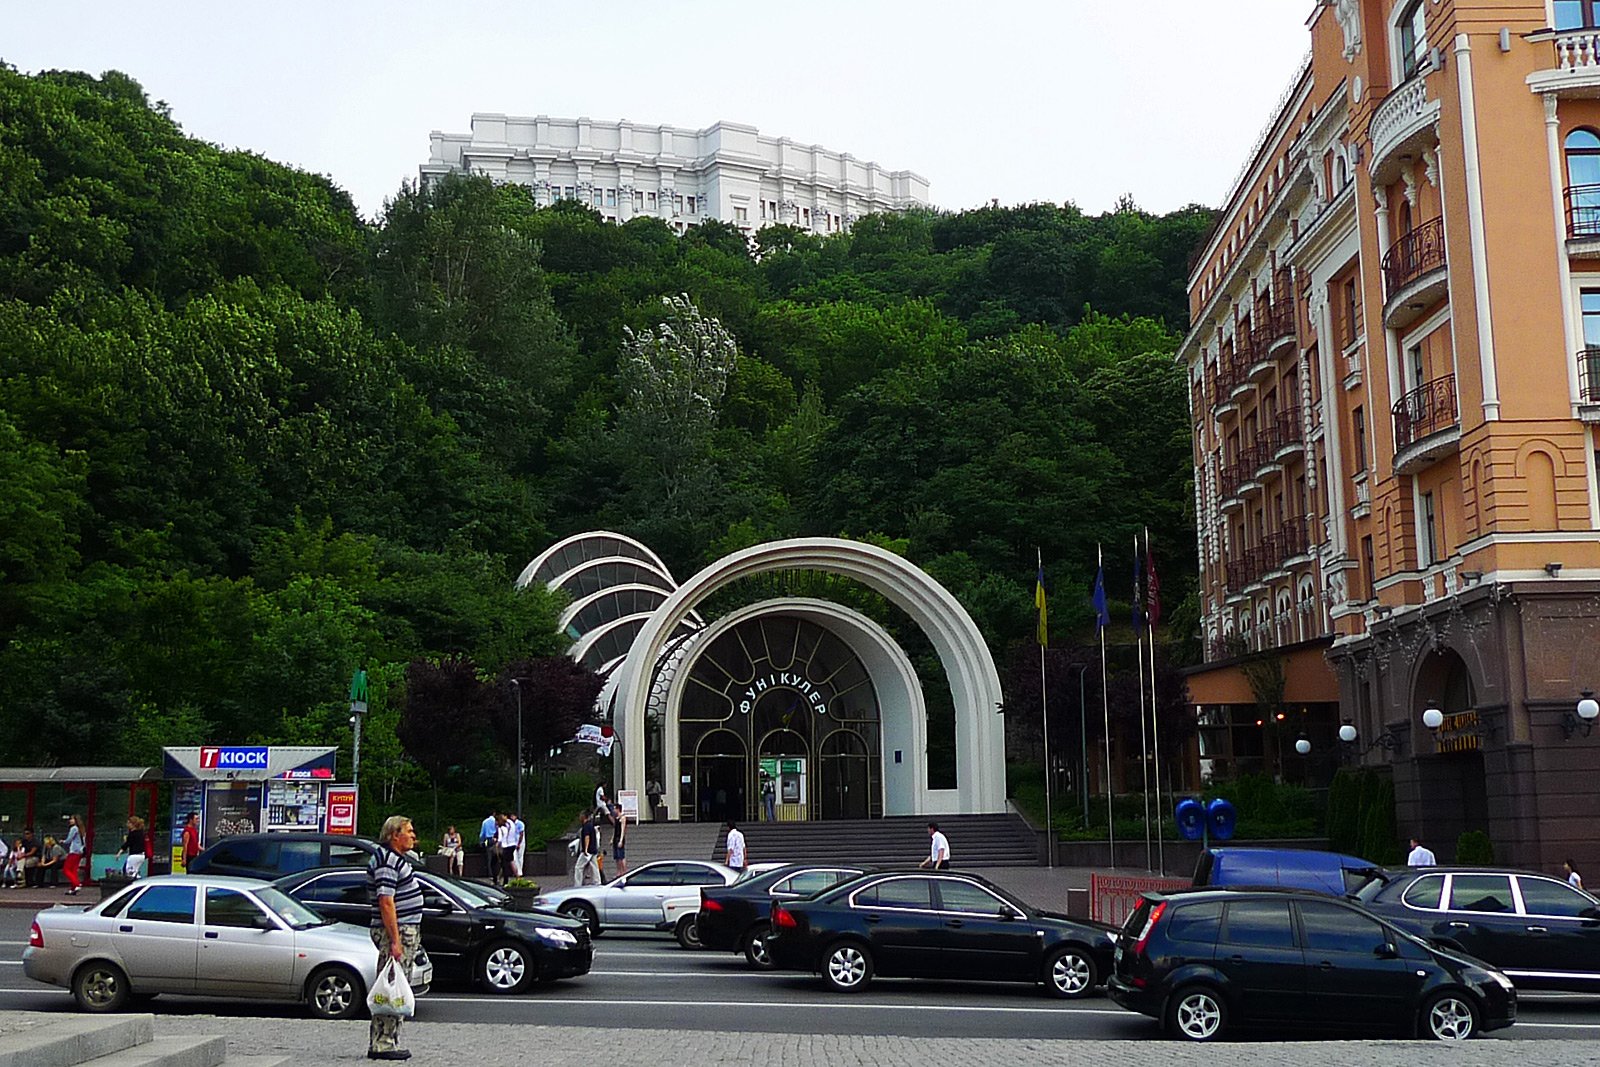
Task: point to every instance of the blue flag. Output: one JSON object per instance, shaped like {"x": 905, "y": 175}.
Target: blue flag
{"x": 1102, "y": 617}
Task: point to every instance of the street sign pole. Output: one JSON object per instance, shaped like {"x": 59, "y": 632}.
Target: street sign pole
{"x": 358, "y": 709}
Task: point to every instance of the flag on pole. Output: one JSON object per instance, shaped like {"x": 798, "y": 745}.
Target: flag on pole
{"x": 1152, "y": 586}
{"x": 1044, "y": 610}
{"x": 1137, "y": 607}
{"x": 1102, "y": 617}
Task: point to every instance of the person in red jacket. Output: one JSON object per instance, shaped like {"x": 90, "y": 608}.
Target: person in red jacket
{"x": 191, "y": 839}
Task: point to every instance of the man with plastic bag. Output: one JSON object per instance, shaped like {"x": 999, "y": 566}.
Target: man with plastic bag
{"x": 396, "y": 931}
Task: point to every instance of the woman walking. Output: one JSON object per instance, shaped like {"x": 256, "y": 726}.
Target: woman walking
{"x": 71, "y": 867}
{"x": 1574, "y": 879}
{"x": 133, "y": 848}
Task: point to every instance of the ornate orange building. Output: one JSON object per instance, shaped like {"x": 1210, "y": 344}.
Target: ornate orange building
{"x": 1395, "y": 385}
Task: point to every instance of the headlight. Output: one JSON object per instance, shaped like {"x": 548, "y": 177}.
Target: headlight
{"x": 1501, "y": 980}
{"x": 555, "y": 936}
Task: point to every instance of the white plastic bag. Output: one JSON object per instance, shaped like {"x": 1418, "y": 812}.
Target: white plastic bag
{"x": 391, "y": 993}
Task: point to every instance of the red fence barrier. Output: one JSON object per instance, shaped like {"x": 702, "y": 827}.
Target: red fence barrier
{"x": 1112, "y": 898}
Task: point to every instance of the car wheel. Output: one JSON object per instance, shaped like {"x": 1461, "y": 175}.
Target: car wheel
{"x": 100, "y": 987}
{"x": 579, "y": 910}
{"x": 335, "y": 993}
{"x": 847, "y": 967}
{"x": 1197, "y": 1013}
{"x": 687, "y": 933}
{"x": 1449, "y": 1017}
{"x": 1069, "y": 973}
{"x": 755, "y": 947}
{"x": 506, "y": 967}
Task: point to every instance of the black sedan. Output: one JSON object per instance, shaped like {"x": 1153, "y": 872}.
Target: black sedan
{"x": 936, "y": 924}
{"x": 271, "y": 856}
{"x": 466, "y": 928}
{"x": 735, "y": 918}
{"x": 1542, "y": 932}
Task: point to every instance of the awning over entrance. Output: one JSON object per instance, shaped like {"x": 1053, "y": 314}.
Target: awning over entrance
{"x": 1308, "y": 678}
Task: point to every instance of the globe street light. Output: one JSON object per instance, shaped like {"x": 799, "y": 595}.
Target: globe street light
{"x": 1582, "y": 722}
{"x": 1347, "y": 733}
{"x": 1303, "y": 746}
{"x": 1433, "y": 718}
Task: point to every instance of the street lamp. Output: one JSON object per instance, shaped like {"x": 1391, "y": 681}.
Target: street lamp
{"x": 1582, "y": 722}
{"x": 1433, "y": 718}
{"x": 1386, "y": 740}
{"x": 516, "y": 683}
{"x": 1303, "y": 746}
{"x": 1347, "y": 733}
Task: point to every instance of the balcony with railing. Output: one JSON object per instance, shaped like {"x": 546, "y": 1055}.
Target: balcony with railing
{"x": 1415, "y": 274}
{"x": 1279, "y": 550}
{"x": 1287, "y": 433}
{"x": 1575, "y": 68}
{"x": 1589, "y": 383}
{"x": 1583, "y": 211}
{"x": 1231, "y": 377}
{"x": 1427, "y": 424}
{"x": 1403, "y": 124}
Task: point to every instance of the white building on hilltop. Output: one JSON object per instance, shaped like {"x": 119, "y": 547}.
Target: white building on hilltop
{"x": 726, "y": 171}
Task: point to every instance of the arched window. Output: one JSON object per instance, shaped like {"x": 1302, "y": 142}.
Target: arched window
{"x": 1403, "y": 217}
{"x": 1583, "y": 182}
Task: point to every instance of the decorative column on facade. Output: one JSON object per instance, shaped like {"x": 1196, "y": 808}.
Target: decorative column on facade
{"x": 1476, "y": 230}
{"x": 1391, "y": 340}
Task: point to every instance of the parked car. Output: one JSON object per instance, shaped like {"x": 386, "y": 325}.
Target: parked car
{"x": 681, "y": 913}
{"x": 1542, "y": 932}
{"x": 271, "y": 856}
{"x": 637, "y": 900}
{"x": 1206, "y": 961}
{"x": 1332, "y": 873}
{"x": 935, "y": 924}
{"x": 469, "y": 933}
{"x": 213, "y": 937}
{"x": 736, "y": 918}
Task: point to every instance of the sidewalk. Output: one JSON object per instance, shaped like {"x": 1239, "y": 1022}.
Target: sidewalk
{"x": 319, "y": 1044}
{"x": 40, "y": 899}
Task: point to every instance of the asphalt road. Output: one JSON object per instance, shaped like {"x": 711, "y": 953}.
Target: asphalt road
{"x": 647, "y": 981}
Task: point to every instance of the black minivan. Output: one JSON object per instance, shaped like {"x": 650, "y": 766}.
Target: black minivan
{"x": 271, "y": 856}
{"x": 1204, "y": 961}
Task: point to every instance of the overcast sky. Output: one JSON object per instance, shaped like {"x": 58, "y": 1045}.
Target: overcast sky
{"x": 1080, "y": 100}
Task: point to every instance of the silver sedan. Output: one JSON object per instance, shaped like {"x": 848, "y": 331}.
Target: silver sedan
{"x": 638, "y": 899}
{"x": 212, "y": 937}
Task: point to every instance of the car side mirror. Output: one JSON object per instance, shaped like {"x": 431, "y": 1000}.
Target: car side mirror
{"x": 1387, "y": 951}
{"x": 264, "y": 923}
{"x": 1008, "y": 913}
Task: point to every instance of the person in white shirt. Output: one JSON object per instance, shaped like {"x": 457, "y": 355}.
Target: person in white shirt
{"x": 601, "y": 804}
{"x": 506, "y": 840}
{"x": 519, "y": 834}
{"x": 938, "y": 849}
{"x": 1420, "y": 856}
{"x": 1574, "y": 879}
{"x": 735, "y": 847}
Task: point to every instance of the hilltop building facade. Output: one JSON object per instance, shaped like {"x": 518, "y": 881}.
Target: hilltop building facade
{"x": 626, "y": 170}
{"x": 1394, "y": 373}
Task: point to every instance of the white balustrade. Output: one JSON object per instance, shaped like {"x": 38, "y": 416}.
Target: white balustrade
{"x": 1577, "y": 50}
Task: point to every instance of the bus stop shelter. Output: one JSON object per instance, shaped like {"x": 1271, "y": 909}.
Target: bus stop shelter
{"x": 103, "y": 798}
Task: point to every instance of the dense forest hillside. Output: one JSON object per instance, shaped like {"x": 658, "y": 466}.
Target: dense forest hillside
{"x": 250, "y": 440}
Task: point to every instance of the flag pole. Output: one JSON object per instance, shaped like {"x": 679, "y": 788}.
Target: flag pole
{"x": 1155, "y": 718}
{"x": 1144, "y": 736}
{"x": 1044, "y": 715}
{"x": 1105, "y": 706}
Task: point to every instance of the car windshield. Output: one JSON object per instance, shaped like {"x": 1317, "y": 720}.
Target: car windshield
{"x": 473, "y": 894}
{"x": 289, "y": 909}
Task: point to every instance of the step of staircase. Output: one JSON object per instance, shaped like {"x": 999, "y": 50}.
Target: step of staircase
{"x": 975, "y": 841}
{"x": 115, "y": 1041}
{"x": 75, "y": 1039}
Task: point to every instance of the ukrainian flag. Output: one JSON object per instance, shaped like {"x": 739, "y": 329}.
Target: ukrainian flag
{"x": 1044, "y": 610}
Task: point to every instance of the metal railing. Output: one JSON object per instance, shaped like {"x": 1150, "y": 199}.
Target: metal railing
{"x": 1415, "y": 254}
{"x": 1589, "y": 374}
{"x": 1425, "y": 410}
{"x": 1583, "y": 210}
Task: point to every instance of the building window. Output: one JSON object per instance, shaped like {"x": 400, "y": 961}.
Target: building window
{"x": 691, "y": 205}
{"x": 1369, "y": 567}
{"x": 741, "y": 215}
{"x": 652, "y": 199}
{"x": 805, "y": 216}
{"x": 1589, "y": 301}
{"x": 1358, "y": 436}
{"x": 1583, "y": 182}
{"x": 598, "y": 198}
{"x": 1428, "y": 542}
{"x": 1413, "y": 39}
{"x": 638, "y": 200}
{"x": 1577, "y": 14}
{"x": 1414, "y": 366}
{"x": 1352, "y": 312}
{"x": 611, "y": 198}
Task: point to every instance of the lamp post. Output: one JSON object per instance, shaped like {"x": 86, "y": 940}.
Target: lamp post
{"x": 1582, "y": 718}
{"x": 516, "y": 683}
{"x": 1083, "y": 739}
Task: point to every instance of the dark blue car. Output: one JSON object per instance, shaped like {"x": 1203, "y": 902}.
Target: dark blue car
{"x": 1332, "y": 873}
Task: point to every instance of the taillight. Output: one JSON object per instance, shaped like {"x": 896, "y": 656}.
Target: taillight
{"x": 36, "y": 937}
{"x": 782, "y": 919}
{"x": 1149, "y": 925}
{"x": 710, "y": 904}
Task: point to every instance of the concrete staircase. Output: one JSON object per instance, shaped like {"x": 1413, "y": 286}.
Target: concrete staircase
{"x": 976, "y": 841}
{"x": 111, "y": 1041}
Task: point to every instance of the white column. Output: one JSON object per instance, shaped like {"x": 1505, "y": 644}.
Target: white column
{"x": 1332, "y": 407}
{"x": 1552, "y": 140}
{"x": 1391, "y": 343}
{"x": 1480, "y": 247}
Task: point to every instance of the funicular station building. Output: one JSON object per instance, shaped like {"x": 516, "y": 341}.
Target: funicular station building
{"x": 1394, "y": 373}
{"x": 806, "y": 690}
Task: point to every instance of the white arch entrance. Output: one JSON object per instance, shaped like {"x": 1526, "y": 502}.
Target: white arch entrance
{"x": 969, "y": 669}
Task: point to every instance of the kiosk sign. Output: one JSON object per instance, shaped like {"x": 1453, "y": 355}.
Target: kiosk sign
{"x": 215, "y": 758}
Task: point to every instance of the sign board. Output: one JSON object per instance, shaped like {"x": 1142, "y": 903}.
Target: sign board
{"x": 233, "y": 758}
{"x": 230, "y": 808}
{"x": 629, "y": 799}
{"x": 186, "y": 797}
{"x": 341, "y": 808}
{"x": 248, "y": 762}
{"x": 293, "y": 805}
